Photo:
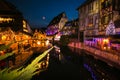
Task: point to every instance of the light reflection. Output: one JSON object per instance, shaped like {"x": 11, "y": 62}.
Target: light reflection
{"x": 91, "y": 71}
{"x": 59, "y": 54}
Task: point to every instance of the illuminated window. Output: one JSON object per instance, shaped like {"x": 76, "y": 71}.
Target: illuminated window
{"x": 106, "y": 19}
{"x": 102, "y": 0}
{"x": 117, "y": 5}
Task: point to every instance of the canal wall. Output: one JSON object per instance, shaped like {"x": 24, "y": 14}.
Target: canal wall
{"x": 112, "y": 59}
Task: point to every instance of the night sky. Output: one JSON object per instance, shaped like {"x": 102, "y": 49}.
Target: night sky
{"x": 39, "y": 13}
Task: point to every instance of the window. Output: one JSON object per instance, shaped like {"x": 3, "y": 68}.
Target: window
{"x": 116, "y": 4}
{"x": 106, "y": 19}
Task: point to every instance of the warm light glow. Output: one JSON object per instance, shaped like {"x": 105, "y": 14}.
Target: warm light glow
{"x": 109, "y": 47}
{"x": 3, "y": 37}
{"x": 5, "y": 19}
{"x": 43, "y": 44}
{"x": 106, "y": 40}
{"x": 106, "y": 44}
{"x": 47, "y": 42}
{"x": 104, "y": 48}
{"x": 26, "y": 36}
{"x": 38, "y": 42}
{"x": 25, "y": 30}
{"x": 24, "y": 24}
{"x": 26, "y": 41}
{"x": 57, "y": 37}
{"x": 102, "y": 0}
{"x": 90, "y": 25}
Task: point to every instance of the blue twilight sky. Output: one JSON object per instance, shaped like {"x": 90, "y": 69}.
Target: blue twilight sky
{"x": 40, "y": 12}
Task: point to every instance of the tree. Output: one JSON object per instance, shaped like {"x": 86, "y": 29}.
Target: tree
{"x": 64, "y": 40}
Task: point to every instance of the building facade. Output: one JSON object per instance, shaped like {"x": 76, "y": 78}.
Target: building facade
{"x": 88, "y": 20}
{"x": 56, "y": 24}
{"x": 10, "y": 21}
{"x": 13, "y": 27}
{"x": 10, "y": 16}
{"x": 99, "y": 22}
{"x": 70, "y": 27}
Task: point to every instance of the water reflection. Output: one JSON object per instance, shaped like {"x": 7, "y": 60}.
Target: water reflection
{"x": 96, "y": 69}
{"x": 72, "y": 64}
{"x": 91, "y": 71}
{"x": 59, "y": 54}
{"x": 101, "y": 69}
{"x": 7, "y": 62}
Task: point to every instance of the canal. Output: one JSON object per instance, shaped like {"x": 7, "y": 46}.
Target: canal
{"x": 74, "y": 64}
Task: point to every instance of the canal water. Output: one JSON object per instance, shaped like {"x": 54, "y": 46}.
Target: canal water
{"x": 74, "y": 64}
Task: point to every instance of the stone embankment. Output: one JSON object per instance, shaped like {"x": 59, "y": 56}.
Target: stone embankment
{"x": 112, "y": 59}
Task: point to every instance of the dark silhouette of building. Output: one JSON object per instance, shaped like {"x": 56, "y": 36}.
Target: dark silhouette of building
{"x": 10, "y": 17}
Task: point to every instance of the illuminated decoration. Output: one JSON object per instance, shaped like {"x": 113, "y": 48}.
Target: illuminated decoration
{"x": 25, "y": 26}
{"x": 57, "y": 38}
{"x": 7, "y": 35}
{"x": 90, "y": 25}
{"x": 106, "y": 40}
{"x": 47, "y": 42}
{"x": 106, "y": 44}
{"x": 51, "y": 30}
{"x": 39, "y": 38}
{"x": 3, "y": 37}
{"x": 56, "y": 24}
{"x": 5, "y": 19}
{"x": 110, "y": 30}
{"x": 38, "y": 42}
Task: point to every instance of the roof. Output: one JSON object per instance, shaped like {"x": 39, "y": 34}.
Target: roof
{"x": 7, "y": 8}
{"x": 57, "y": 19}
{"x": 84, "y": 3}
{"x": 72, "y": 23}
